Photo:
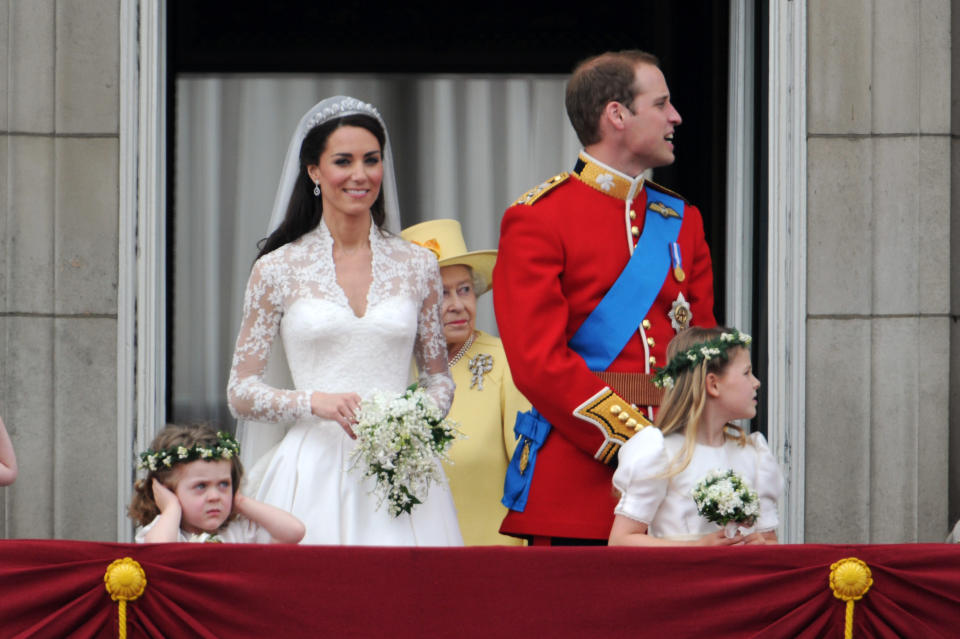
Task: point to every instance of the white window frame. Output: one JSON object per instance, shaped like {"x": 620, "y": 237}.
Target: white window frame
{"x": 141, "y": 346}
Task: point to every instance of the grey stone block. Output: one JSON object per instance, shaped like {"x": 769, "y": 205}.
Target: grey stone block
{"x": 896, "y": 65}
{"x": 955, "y": 77}
{"x": 87, "y": 202}
{"x": 896, "y": 211}
{"x": 839, "y": 226}
{"x": 29, "y": 393}
{"x": 88, "y": 66}
{"x": 954, "y": 408}
{"x": 32, "y": 49}
{"x": 837, "y": 444}
{"x": 935, "y": 66}
{"x": 4, "y": 71}
{"x": 907, "y": 374}
{"x": 933, "y": 427}
{"x": 933, "y": 226}
{"x": 29, "y": 239}
{"x": 4, "y": 212}
{"x": 955, "y": 226}
{"x": 839, "y": 39}
{"x": 85, "y": 406}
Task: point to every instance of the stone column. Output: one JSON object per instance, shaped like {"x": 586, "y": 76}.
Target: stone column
{"x": 58, "y": 272}
{"x": 878, "y": 324}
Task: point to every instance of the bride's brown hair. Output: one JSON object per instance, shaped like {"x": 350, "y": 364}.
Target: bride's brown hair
{"x": 305, "y": 209}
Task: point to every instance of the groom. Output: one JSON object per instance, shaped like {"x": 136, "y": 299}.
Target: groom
{"x": 597, "y": 271}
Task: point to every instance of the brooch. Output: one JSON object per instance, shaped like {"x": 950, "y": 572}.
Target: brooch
{"x": 680, "y": 314}
{"x": 479, "y": 365}
{"x": 663, "y": 209}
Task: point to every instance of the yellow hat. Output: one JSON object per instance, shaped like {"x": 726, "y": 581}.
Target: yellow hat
{"x": 445, "y": 239}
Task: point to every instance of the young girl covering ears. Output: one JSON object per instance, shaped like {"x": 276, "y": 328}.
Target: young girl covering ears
{"x": 190, "y": 493}
{"x": 709, "y": 382}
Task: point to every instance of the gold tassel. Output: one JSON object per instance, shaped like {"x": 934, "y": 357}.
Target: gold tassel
{"x": 125, "y": 581}
{"x": 850, "y": 579}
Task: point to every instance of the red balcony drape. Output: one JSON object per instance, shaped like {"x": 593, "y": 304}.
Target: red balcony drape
{"x": 56, "y": 589}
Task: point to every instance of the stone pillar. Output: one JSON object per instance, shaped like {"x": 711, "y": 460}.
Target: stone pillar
{"x": 58, "y": 264}
{"x": 878, "y": 296}
{"x": 955, "y": 269}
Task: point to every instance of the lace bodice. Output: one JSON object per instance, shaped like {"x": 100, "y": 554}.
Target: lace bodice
{"x": 293, "y": 292}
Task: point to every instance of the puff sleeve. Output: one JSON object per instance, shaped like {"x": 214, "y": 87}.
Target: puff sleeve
{"x": 642, "y": 461}
{"x": 769, "y": 484}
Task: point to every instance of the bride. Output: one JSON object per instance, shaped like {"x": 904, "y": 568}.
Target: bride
{"x": 350, "y": 303}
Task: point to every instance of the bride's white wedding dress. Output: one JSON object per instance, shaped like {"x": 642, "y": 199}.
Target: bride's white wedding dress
{"x": 293, "y": 292}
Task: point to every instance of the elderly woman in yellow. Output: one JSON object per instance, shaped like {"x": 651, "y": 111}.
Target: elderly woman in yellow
{"x": 486, "y": 401}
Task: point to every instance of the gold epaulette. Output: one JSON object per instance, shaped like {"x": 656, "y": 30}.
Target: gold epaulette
{"x": 540, "y": 190}
{"x": 664, "y": 189}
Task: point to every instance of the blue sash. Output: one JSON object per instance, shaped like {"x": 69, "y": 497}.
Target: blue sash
{"x": 604, "y": 333}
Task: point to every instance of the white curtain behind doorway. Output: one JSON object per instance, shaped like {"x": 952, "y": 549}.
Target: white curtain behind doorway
{"x": 465, "y": 147}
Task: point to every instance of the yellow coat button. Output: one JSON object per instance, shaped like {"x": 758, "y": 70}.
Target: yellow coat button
{"x": 633, "y": 214}
{"x": 650, "y": 341}
{"x": 653, "y": 360}
{"x": 635, "y": 230}
{"x": 646, "y": 324}
{"x": 615, "y": 409}
{"x": 624, "y": 416}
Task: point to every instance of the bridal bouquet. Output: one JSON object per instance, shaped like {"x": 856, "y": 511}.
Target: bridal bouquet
{"x": 723, "y": 498}
{"x": 400, "y": 440}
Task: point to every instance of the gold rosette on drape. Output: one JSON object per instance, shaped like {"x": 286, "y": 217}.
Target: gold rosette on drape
{"x": 125, "y": 581}
{"x": 850, "y": 579}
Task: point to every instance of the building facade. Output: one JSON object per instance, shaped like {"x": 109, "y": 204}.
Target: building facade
{"x": 864, "y": 288}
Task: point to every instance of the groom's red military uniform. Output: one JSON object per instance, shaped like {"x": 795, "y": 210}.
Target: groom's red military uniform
{"x": 562, "y": 246}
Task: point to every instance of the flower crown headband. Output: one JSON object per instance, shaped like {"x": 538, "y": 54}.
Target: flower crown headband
{"x": 225, "y": 448}
{"x": 698, "y": 353}
{"x": 342, "y": 108}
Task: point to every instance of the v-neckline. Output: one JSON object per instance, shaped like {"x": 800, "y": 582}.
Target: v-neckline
{"x": 336, "y": 278}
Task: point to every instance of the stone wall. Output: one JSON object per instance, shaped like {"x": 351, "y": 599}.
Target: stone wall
{"x": 878, "y": 290}
{"x": 58, "y": 264}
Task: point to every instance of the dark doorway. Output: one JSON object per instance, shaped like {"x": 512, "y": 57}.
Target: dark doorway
{"x": 690, "y": 38}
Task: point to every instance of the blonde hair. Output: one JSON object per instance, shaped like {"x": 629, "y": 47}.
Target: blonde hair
{"x": 683, "y": 404}
{"x": 143, "y": 508}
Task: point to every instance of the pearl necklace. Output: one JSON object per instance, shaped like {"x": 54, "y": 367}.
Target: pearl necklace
{"x": 463, "y": 349}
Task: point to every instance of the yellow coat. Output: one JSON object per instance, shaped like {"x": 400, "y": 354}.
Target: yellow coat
{"x": 480, "y": 461}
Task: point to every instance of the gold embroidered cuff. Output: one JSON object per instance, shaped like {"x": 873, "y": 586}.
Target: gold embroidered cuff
{"x": 616, "y": 419}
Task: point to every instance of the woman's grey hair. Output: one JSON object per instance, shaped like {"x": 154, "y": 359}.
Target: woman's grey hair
{"x": 479, "y": 281}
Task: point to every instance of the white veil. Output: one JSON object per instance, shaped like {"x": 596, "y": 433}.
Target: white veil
{"x": 258, "y": 438}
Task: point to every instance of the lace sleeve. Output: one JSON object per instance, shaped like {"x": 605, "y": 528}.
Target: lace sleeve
{"x": 430, "y": 348}
{"x": 249, "y": 396}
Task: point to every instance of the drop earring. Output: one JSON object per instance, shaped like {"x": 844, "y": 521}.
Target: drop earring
{"x": 316, "y": 190}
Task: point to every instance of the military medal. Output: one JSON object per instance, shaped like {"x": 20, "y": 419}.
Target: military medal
{"x": 677, "y": 262}
{"x": 680, "y": 314}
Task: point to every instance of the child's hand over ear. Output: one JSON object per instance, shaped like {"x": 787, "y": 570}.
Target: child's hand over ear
{"x": 166, "y": 499}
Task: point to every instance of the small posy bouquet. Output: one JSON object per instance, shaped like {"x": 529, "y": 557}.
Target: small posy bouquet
{"x": 400, "y": 440}
{"x": 723, "y": 498}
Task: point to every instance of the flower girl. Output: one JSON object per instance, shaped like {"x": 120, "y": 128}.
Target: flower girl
{"x": 696, "y": 478}
{"x": 190, "y": 493}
